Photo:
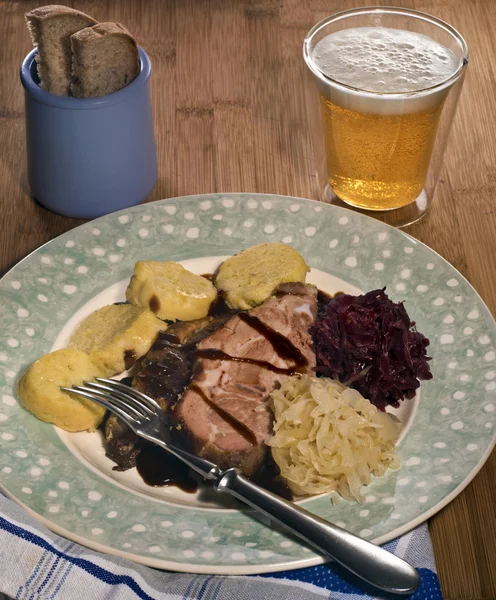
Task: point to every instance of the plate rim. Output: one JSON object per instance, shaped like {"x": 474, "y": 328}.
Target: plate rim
{"x": 274, "y": 567}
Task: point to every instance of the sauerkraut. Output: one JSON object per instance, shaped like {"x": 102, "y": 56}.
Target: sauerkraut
{"x": 329, "y": 438}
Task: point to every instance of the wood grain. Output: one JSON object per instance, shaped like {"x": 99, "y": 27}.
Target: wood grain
{"x": 228, "y": 99}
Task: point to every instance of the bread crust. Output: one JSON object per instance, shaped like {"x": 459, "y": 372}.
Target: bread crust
{"x": 100, "y": 30}
{"x": 105, "y": 59}
{"x": 54, "y": 10}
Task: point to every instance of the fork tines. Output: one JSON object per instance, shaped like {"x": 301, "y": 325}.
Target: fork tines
{"x": 131, "y": 406}
{"x": 130, "y": 392}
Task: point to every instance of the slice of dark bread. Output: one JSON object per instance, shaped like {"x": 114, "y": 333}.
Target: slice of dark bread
{"x": 104, "y": 59}
{"x": 51, "y": 28}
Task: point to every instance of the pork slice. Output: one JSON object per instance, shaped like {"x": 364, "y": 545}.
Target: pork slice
{"x": 207, "y": 433}
{"x": 289, "y": 314}
{"x": 239, "y": 390}
{"x": 241, "y": 339}
{"x": 222, "y": 415}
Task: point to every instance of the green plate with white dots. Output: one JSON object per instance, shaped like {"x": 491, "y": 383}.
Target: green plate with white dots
{"x": 68, "y": 483}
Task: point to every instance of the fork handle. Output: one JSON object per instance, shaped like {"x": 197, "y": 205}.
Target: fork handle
{"x": 366, "y": 560}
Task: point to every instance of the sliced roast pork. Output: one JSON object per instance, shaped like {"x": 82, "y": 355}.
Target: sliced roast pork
{"x": 165, "y": 372}
{"x": 222, "y": 369}
{"x": 206, "y": 431}
{"x": 222, "y": 415}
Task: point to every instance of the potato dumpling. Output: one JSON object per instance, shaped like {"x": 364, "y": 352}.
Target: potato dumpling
{"x": 170, "y": 291}
{"x": 115, "y": 336}
{"x": 40, "y": 393}
{"x": 250, "y": 277}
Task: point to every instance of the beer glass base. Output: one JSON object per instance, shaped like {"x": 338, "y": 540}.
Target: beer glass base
{"x": 396, "y": 217}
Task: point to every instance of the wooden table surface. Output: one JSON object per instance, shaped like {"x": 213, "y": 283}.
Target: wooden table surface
{"x": 229, "y": 114}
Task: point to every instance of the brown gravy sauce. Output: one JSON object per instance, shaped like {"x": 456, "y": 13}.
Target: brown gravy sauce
{"x": 213, "y": 354}
{"x": 285, "y": 350}
{"x": 129, "y": 358}
{"x": 158, "y": 468}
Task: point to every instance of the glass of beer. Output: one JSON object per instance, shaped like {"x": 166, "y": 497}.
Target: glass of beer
{"x": 388, "y": 82}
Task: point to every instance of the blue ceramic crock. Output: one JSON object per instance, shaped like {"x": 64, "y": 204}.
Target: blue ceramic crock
{"x": 89, "y": 156}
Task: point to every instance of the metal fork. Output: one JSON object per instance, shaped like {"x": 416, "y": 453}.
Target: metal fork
{"x": 369, "y": 562}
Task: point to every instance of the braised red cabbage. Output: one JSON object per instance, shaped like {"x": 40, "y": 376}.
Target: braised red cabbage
{"x": 369, "y": 343}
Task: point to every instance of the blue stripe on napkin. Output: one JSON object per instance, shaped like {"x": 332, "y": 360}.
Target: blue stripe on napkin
{"x": 336, "y": 579}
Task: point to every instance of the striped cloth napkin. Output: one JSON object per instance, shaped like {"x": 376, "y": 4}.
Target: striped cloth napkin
{"x": 36, "y": 564}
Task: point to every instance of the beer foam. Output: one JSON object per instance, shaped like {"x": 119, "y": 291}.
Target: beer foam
{"x": 380, "y": 59}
